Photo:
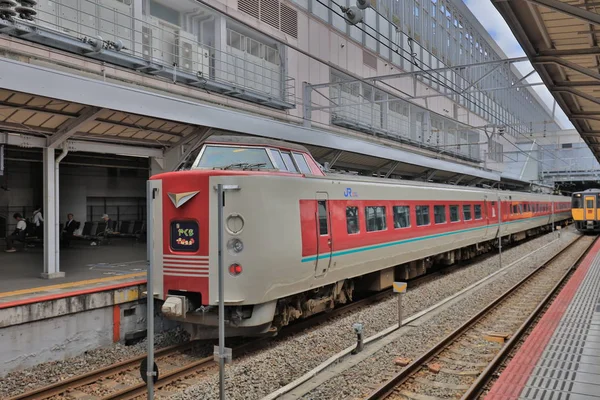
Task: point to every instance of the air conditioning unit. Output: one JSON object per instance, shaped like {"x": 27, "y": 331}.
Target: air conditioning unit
{"x": 193, "y": 57}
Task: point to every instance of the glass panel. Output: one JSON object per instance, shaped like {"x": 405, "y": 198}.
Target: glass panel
{"x": 401, "y": 217}
{"x": 278, "y": 160}
{"x": 454, "y": 215}
{"x": 467, "y": 213}
{"x": 422, "y": 215}
{"x": 323, "y": 217}
{"x": 287, "y": 159}
{"x": 590, "y": 203}
{"x": 439, "y": 214}
{"x": 302, "y": 164}
{"x": 352, "y": 220}
{"x": 225, "y": 156}
{"x": 375, "y": 219}
{"x": 577, "y": 202}
{"x": 477, "y": 211}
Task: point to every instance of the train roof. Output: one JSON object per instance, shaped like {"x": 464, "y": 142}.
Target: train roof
{"x": 254, "y": 141}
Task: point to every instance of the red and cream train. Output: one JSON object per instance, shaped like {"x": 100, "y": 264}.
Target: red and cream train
{"x": 299, "y": 240}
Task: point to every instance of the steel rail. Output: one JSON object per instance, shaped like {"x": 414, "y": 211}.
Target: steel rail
{"x": 93, "y": 376}
{"x": 477, "y": 387}
{"x": 388, "y": 388}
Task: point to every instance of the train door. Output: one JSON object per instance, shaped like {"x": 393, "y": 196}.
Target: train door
{"x": 589, "y": 205}
{"x": 324, "y": 236}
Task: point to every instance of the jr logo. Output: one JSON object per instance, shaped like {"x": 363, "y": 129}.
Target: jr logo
{"x": 350, "y": 193}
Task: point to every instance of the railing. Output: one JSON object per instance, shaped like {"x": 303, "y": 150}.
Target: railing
{"x": 167, "y": 46}
{"x": 562, "y": 163}
{"x": 362, "y": 107}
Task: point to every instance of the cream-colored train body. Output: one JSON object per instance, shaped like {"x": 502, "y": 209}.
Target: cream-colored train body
{"x": 281, "y": 279}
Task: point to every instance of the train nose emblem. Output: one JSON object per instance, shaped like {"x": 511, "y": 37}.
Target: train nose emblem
{"x": 180, "y": 199}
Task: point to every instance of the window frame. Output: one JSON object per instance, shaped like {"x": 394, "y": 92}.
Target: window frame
{"x": 457, "y": 212}
{"x": 417, "y": 208}
{"x": 435, "y": 207}
{"x": 475, "y": 208}
{"x": 321, "y": 234}
{"x": 357, "y": 216}
{"x": 294, "y": 154}
{"x": 464, "y": 208}
{"x": 385, "y": 227}
{"x": 407, "y": 214}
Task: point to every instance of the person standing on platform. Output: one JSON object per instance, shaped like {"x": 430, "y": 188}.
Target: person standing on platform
{"x": 38, "y": 220}
{"x": 18, "y": 235}
{"x": 69, "y": 230}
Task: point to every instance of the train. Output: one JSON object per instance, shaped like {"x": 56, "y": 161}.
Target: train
{"x": 299, "y": 239}
{"x": 584, "y": 210}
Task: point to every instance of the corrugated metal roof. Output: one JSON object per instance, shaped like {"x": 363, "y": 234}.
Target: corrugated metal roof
{"x": 561, "y": 40}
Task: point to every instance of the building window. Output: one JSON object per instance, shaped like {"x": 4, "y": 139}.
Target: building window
{"x": 375, "y": 219}
{"x": 352, "y": 220}
{"x": 454, "y": 215}
{"x": 439, "y": 214}
{"x": 323, "y": 229}
{"x": 401, "y": 217}
{"x": 467, "y": 212}
{"x": 422, "y": 215}
{"x": 477, "y": 211}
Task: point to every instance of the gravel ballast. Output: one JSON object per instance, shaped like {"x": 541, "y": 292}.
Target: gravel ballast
{"x": 257, "y": 375}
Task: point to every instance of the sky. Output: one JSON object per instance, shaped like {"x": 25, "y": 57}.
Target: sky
{"x": 491, "y": 19}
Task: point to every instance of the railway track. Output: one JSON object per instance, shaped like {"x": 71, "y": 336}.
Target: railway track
{"x": 122, "y": 381}
{"x": 460, "y": 365}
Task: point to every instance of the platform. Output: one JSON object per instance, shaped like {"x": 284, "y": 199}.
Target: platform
{"x": 85, "y": 266}
{"x": 560, "y": 360}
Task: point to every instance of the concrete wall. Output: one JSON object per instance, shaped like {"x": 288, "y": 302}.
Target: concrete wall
{"x": 26, "y": 345}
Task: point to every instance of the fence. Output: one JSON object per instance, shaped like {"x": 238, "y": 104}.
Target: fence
{"x": 249, "y": 65}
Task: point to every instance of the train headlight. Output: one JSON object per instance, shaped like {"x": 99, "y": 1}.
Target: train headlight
{"x": 235, "y": 245}
{"x": 235, "y": 269}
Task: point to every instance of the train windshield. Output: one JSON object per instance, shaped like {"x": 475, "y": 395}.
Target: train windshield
{"x": 234, "y": 157}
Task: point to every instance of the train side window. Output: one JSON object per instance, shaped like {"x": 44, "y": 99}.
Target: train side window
{"x": 454, "y": 214}
{"x": 439, "y": 214}
{"x": 422, "y": 215}
{"x": 301, "y": 162}
{"x": 287, "y": 159}
{"x": 375, "y": 218}
{"x": 401, "y": 217}
{"x": 323, "y": 229}
{"x": 352, "y": 220}
{"x": 467, "y": 212}
{"x": 477, "y": 211}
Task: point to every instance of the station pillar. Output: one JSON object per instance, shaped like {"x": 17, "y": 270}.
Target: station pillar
{"x": 51, "y": 242}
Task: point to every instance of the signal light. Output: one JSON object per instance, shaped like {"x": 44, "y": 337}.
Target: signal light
{"x": 235, "y": 269}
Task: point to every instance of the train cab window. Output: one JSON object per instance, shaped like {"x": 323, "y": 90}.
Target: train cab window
{"x": 375, "y": 219}
{"x": 279, "y": 163}
{"x": 439, "y": 214}
{"x": 467, "y": 212}
{"x": 301, "y": 162}
{"x": 234, "y": 157}
{"x": 422, "y": 215}
{"x": 289, "y": 163}
{"x": 477, "y": 211}
{"x": 323, "y": 228}
{"x": 454, "y": 214}
{"x": 352, "y": 220}
{"x": 401, "y": 217}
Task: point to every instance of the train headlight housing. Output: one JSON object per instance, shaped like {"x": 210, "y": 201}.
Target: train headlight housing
{"x": 235, "y": 269}
{"x": 235, "y": 245}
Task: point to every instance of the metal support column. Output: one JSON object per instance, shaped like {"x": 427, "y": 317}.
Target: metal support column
{"x": 307, "y": 106}
{"x": 221, "y": 294}
{"x": 51, "y": 262}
